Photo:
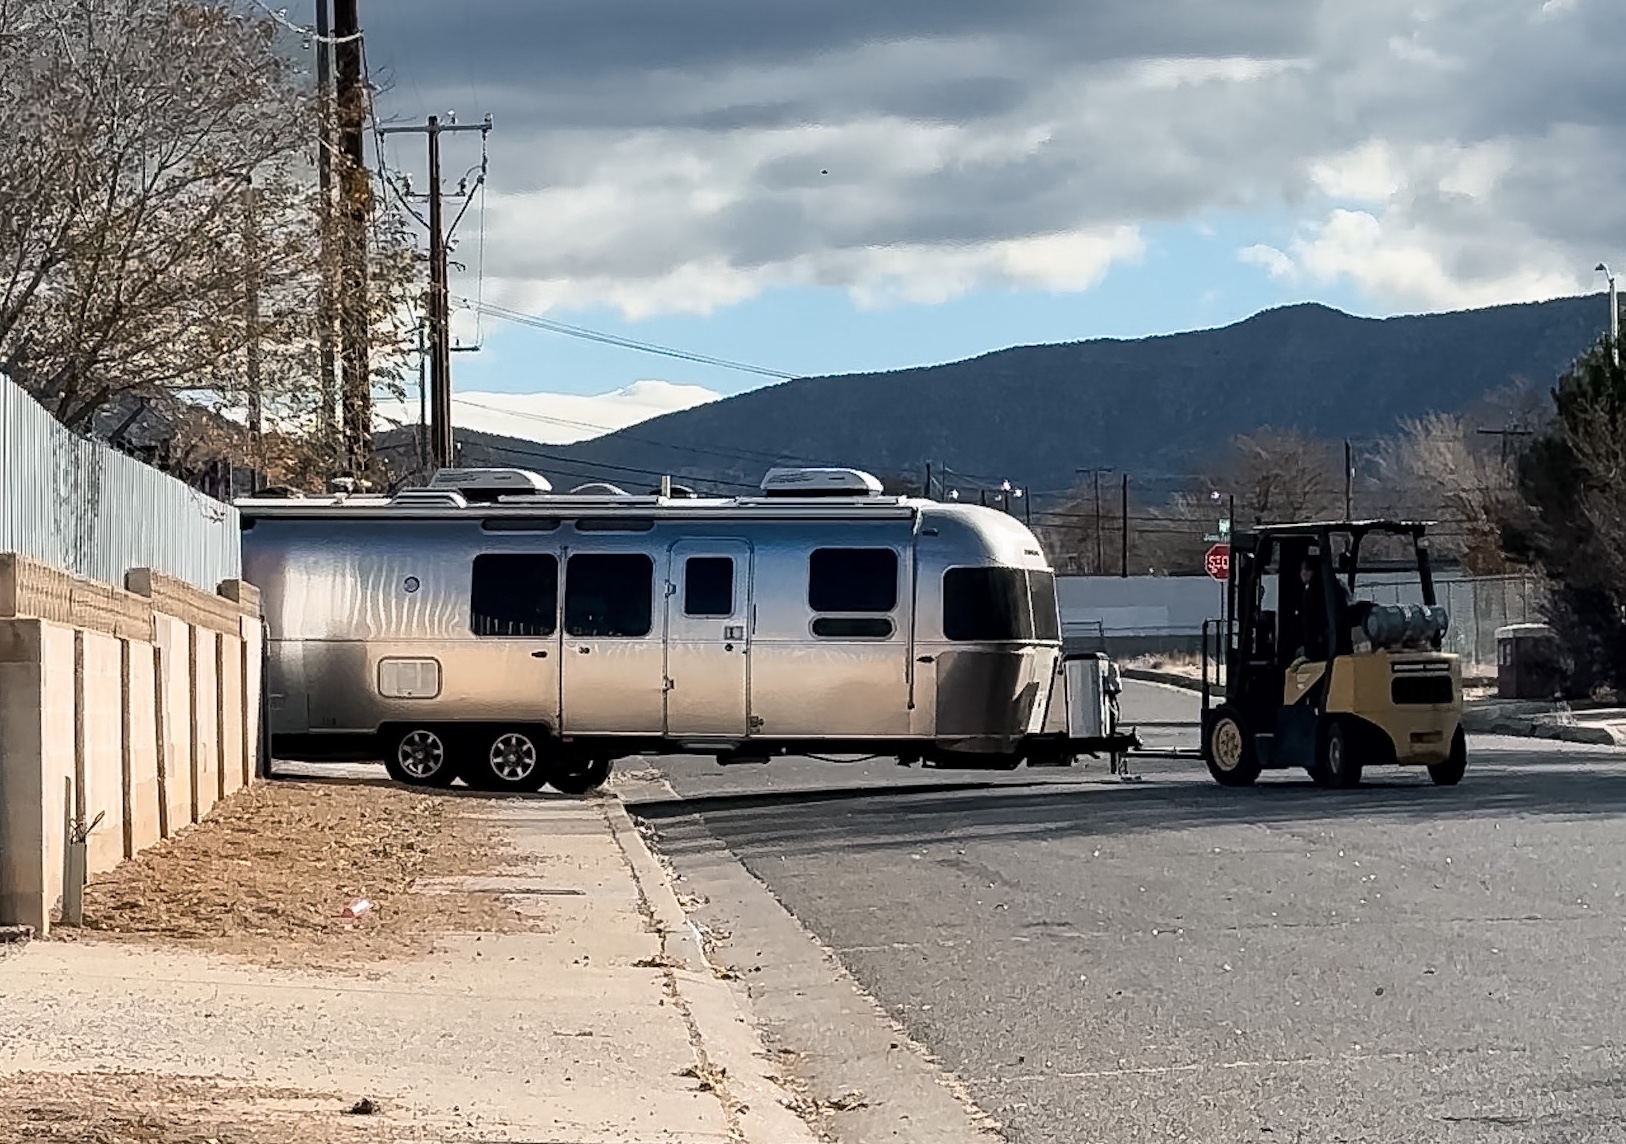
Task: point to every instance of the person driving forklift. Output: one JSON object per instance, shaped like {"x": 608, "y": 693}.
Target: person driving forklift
{"x": 1314, "y": 647}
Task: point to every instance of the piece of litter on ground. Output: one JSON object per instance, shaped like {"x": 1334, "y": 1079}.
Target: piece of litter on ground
{"x": 356, "y": 909}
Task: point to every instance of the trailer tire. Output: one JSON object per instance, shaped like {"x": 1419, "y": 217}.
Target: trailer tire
{"x": 419, "y": 756}
{"x": 1450, "y": 772}
{"x": 579, "y": 776}
{"x": 1228, "y": 750}
{"x": 509, "y": 759}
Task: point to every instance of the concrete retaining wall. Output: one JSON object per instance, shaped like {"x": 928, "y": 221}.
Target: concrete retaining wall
{"x": 129, "y": 712}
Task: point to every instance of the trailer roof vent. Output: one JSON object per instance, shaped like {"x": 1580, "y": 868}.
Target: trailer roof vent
{"x": 820, "y": 483}
{"x": 599, "y": 489}
{"x": 484, "y": 486}
{"x": 429, "y": 498}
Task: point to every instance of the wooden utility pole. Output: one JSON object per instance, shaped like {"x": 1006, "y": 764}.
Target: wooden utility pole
{"x": 442, "y": 449}
{"x": 1123, "y": 570}
{"x": 1504, "y": 434}
{"x": 1349, "y": 482}
{"x": 356, "y": 204}
{"x": 251, "y": 331}
{"x": 327, "y": 375}
{"x": 1100, "y": 546}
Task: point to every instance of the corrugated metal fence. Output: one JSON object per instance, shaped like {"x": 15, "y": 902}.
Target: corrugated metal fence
{"x": 92, "y": 511}
{"x": 1165, "y": 613}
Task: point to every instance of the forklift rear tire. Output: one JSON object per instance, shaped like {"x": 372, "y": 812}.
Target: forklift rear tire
{"x": 1335, "y": 764}
{"x": 1449, "y": 773}
{"x": 1229, "y": 750}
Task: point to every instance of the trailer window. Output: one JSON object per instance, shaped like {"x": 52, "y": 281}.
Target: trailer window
{"x": 1046, "y": 615}
{"x": 986, "y": 604}
{"x": 609, "y": 594}
{"x": 852, "y": 580}
{"x": 515, "y": 595}
{"x": 708, "y": 586}
{"x": 852, "y": 627}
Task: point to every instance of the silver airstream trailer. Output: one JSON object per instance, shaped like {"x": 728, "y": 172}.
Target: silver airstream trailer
{"x": 489, "y": 628}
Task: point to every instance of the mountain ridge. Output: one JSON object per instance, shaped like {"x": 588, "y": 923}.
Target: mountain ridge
{"x": 1035, "y": 414}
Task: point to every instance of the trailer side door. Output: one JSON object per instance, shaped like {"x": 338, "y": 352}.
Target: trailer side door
{"x": 708, "y": 639}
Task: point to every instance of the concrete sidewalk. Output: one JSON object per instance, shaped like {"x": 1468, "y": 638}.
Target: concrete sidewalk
{"x": 610, "y": 1025}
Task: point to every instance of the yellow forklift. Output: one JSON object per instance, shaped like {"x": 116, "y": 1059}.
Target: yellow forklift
{"x": 1309, "y": 675}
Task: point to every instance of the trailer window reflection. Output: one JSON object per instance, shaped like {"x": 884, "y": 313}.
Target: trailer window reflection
{"x": 514, "y": 594}
{"x": 609, "y": 595}
{"x": 852, "y": 580}
{"x": 708, "y": 586}
{"x": 1046, "y": 615}
{"x": 986, "y": 604}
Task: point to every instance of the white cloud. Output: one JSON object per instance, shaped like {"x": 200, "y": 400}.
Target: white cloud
{"x": 659, "y": 159}
{"x": 1276, "y": 263}
{"x": 1365, "y": 174}
{"x": 1388, "y": 259}
{"x": 559, "y": 418}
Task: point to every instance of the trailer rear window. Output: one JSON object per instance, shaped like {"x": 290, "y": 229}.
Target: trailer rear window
{"x": 609, "y": 595}
{"x": 986, "y": 604}
{"x": 515, "y": 595}
{"x": 852, "y": 580}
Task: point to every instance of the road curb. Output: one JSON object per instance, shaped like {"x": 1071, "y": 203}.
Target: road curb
{"x": 1538, "y": 727}
{"x": 726, "y": 1034}
{"x": 1166, "y": 678}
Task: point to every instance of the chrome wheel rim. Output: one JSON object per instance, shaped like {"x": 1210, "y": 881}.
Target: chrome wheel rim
{"x": 1227, "y": 745}
{"x": 421, "y": 754}
{"x": 1335, "y": 754}
{"x": 513, "y": 757}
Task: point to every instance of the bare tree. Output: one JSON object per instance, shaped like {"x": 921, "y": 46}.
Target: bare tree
{"x": 1439, "y": 468}
{"x": 158, "y": 218}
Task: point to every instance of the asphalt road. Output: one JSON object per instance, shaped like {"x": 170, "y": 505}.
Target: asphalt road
{"x": 1170, "y": 960}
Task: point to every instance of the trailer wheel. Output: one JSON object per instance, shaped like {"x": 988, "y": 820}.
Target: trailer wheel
{"x": 1449, "y": 773}
{"x": 1335, "y": 763}
{"x": 579, "y": 776}
{"x": 513, "y": 759}
{"x": 1228, "y": 750}
{"x": 419, "y": 756}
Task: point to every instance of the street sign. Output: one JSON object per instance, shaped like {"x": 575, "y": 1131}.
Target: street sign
{"x": 1218, "y": 561}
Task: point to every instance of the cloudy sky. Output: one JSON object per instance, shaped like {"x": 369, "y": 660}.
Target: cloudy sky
{"x": 867, "y": 184}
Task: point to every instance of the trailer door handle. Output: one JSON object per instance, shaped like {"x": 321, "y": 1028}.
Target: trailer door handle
{"x": 585, "y": 650}
{"x": 539, "y": 655}
{"x": 924, "y": 659}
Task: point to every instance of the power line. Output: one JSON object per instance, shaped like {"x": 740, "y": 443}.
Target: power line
{"x": 727, "y": 454}
{"x": 565, "y": 328}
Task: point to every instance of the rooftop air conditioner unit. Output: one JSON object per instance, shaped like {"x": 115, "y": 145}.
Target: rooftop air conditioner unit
{"x": 484, "y": 486}
{"x": 820, "y": 483}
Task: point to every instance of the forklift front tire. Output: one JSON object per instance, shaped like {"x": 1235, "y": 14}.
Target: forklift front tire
{"x": 1229, "y": 751}
{"x": 1335, "y": 764}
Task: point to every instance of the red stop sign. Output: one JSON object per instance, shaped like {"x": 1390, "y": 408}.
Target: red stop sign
{"x": 1218, "y": 561}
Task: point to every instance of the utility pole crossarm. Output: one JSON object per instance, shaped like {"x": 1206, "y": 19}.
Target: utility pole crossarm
{"x": 442, "y": 441}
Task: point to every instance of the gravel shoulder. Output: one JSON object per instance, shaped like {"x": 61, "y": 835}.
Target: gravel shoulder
{"x": 268, "y": 875}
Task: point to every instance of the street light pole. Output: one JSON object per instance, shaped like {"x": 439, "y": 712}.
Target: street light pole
{"x": 1614, "y": 316}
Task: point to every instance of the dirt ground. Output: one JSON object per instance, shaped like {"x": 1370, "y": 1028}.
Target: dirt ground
{"x": 138, "y": 1108}
{"x": 267, "y": 875}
